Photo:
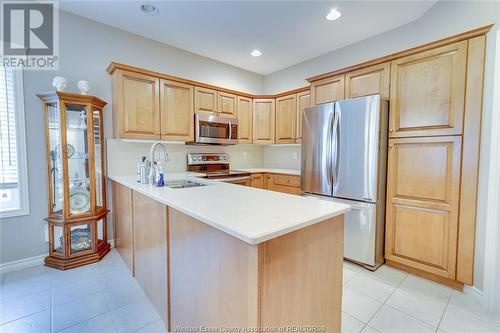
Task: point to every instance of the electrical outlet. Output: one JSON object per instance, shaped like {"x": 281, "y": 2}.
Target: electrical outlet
{"x": 245, "y": 154}
{"x": 295, "y": 156}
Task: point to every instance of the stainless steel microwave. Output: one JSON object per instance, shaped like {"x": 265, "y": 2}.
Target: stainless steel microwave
{"x": 216, "y": 130}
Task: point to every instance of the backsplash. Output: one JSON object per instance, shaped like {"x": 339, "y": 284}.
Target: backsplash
{"x": 285, "y": 157}
{"x": 123, "y": 156}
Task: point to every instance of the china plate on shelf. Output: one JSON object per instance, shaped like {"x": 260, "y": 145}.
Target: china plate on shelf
{"x": 79, "y": 201}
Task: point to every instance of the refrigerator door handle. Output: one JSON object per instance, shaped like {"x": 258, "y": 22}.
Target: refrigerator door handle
{"x": 335, "y": 146}
{"x": 329, "y": 150}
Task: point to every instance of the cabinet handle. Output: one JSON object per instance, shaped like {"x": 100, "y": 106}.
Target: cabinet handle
{"x": 390, "y": 146}
{"x": 391, "y": 130}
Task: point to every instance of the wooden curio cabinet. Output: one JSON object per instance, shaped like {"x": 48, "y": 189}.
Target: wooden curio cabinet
{"x": 76, "y": 179}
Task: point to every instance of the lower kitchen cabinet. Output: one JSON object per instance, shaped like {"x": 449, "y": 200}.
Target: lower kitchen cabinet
{"x": 150, "y": 250}
{"x": 423, "y": 186}
{"x": 123, "y": 224}
{"x": 257, "y": 180}
{"x": 277, "y": 182}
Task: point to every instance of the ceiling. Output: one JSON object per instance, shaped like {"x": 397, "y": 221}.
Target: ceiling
{"x": 287, "y": 32}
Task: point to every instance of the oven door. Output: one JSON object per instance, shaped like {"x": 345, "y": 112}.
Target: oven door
{"x": 216, "y": 130}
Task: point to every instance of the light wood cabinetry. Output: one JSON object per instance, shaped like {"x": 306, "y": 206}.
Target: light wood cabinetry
{"x": 276, "y": 182}
{"x": 422, "y": 203}
{"x": 150, "y": 108}
{"x": 286, "y": 115}
{"x": 123, "y": 223}
{"x": 205, "y": 100}
{"x": 227, "y": 104}
{"x": 257, "y": 180}
{"x": 176, "y": 108}
{"x": 245, "y": 119}
{"x": 286, "y": 184}
{"x": 303, "y": 101}
{"x": 327, "y": 90}
{"x": 428, "y": 92}
{"x": 368, "y": 81}
{"x": 136, "y": 99}
{"x": 150, "y": 250}
{"x": 263, "y": 120}
{"x": 268, "y": 181}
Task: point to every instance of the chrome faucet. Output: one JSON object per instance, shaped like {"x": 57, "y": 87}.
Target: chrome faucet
{"x": 162, "y": 156}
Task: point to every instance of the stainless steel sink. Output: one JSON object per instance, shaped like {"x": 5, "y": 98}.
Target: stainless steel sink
{"x": 182, "y": 184}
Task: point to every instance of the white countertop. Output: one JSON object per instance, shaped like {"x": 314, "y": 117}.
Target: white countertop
{"x": 294, "y": 172}
{"x": 249, "y": 214}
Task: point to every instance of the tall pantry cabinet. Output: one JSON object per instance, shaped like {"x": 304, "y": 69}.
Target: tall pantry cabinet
{"x": 435, "y": 107}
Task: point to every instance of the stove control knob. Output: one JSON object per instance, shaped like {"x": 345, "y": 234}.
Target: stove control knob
{"x": 225, "y": 158}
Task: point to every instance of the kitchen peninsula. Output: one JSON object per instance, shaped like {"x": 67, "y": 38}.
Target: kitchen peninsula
{"x": 230, "y": 255}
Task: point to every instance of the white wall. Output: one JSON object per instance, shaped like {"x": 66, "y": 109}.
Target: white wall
{"x": 86, "y": 49}
{"x": 444, "y": 19}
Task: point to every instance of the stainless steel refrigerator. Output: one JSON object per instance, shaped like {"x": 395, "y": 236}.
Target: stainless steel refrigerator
{"x": 344, "y": 159}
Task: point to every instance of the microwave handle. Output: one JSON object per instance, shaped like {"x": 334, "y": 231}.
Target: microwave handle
{"x": 230, "y": 131}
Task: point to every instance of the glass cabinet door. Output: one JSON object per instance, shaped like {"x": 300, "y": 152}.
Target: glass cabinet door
{"x": 56, "y": 188}
{"x": 98, "y": 158}
{"x": 77, "y": 150}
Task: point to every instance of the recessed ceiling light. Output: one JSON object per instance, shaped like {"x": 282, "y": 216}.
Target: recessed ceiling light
{"x": 149, "y": 9}
{"x": 333, "y": 15}
{"x": 256, "y": 53}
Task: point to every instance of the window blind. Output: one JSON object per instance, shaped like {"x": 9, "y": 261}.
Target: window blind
{"x": 8, "y": 136}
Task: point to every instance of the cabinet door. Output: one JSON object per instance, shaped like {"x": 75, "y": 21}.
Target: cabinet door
{"x": 257, "y": 180}
{"x": 227, "y": 104}
{"x": 368, "y": 81}
{"x": 422, "y": 203}
{"x": 244, "y": 120}
{"x": 177, "y": 112}
{"x": 263, "y": 120}
{"x": 327, "y": 90}
{"x": 427, "y": 92}
{"x": 139, "y": 106}
{"x": 268, "y": 181}
{"x": 150, "y": 244}
{"x": 205, "y": 100}
{"x": 303, "y": 101}
{"x": 123, "y": 224}
{"x": 286, "y": 114}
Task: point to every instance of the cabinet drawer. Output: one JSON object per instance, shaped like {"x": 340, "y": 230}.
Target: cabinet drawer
{"x": 286, "y": 180}
{"x": 286, "y": 189}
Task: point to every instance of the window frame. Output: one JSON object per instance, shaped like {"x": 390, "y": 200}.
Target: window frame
{"x": 22, "y": 159}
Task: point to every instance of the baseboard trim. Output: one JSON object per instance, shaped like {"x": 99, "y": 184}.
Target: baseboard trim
{"x": 16, "y": 265}
{"x": 474, "y": 292}
{"x": 21, "y": 264}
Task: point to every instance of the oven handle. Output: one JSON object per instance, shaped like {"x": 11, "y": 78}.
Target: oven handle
{"x": 231, "y": 179}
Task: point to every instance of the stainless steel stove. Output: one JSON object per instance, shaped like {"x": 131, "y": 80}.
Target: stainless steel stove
{"x": 216, "y": 166}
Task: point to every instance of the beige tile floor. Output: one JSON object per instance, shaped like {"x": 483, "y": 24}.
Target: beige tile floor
{"x": 104, "y": 297}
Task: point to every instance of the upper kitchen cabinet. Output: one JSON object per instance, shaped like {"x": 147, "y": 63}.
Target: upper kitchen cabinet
{"x": 286, "y": 114}
{"x": 227, "y": 104}
{"x": 427, "y": 92}
{"x": 303, "y": 101}
{"x": 177, "y": 112}
{"x": 136, "y": 105}
{"x": 245, "y": 119}
{"x": 368, "y": 81}
{"x": 327, "y": 90}
{"x": 263, "y": 120}
{"x": 205, "y": 100}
